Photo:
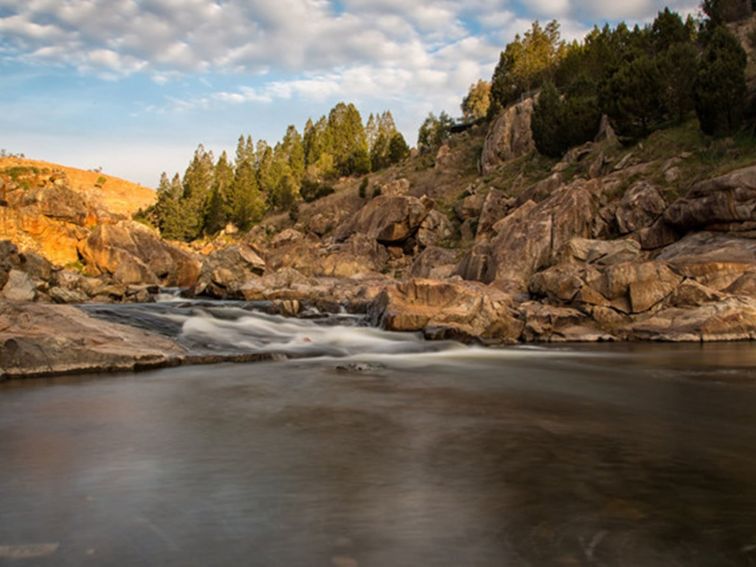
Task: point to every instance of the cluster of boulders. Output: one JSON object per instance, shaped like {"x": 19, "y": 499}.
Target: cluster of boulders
{"x": 609, "y": 254}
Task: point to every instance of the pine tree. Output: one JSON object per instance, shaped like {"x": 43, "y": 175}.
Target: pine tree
{"x": 248, "y": 205}
{"x": 546, "y": 122}
{"x": 633, "y": 97}
{"x": 398, "y": 149}
{"x": 198, "y": 183}
{"x": 720, "y": 87}
{"x": 219, "y": 204}
{"x": 347, "y": 141}
{"x": 293, "y": 149}
{"x": 475, "y": 105}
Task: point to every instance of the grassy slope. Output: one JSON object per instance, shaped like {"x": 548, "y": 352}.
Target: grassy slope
{"x": 115, "y": 194}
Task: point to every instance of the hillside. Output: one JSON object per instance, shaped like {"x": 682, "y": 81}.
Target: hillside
{"x": 111, "y": 193}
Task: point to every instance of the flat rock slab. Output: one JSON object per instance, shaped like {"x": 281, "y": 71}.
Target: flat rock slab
{"x": 42, "y": 340}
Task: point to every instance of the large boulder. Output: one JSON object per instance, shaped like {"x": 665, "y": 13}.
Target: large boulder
{"x": 731, "y": 319}
{"x": 390, "y": 220}
{"x": 448, "y": 309}
{"x": 712, "y": 259}
{"x": 133, "y": 253}
{"x": 434, "y": 263}
{"x": 639, "y": 208}
{"x": 725, "y": 200}
{"x": 530, "y": 238}
{"x": 509, "y": 137}
{"x": 19, "y": 287}
{"x": 39, "y": 339}
{"x": 435, "y": 229}
{"x": 226, "y": 271}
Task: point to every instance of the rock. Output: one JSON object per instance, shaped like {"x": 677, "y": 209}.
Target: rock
{"x": 727, "y": 199}
{"x": 389, "y": 220}
{"x": 692, "y": 294}
{"x": 133, "y": 254}
{"x": 38, "y": 340}
{"x": 530, "y": 238}
{"x": 19, "y": 287}
{"x": 606, "y": 132}
{"x": 470, "y": 207}
{"x": 656, "y": 236}
{"x": 636, "y": 288}
{"x": 359, "y": 256}
{"x": 396, "y": 188}
{"x": 434, "y": 263}
{"x": 285, "y": 237}
{"x": 57, "y": 202}
{"x": 64, "y": 295}
{"x": 509, "y": 136}
{"x": 477, "y": 265}
{"x": 601, "y": 252}
{"x": 732, "y": 319}
{"x": 36, "y": 266}
{"x": 226, "y": 271}
{"x": 547, "y": 323}
{"x": 435, "y": 229}
{"x": 496, "y": 205}
{"x": 712, "y": 259}
{"x": 562, "y": 283}
{"x": 464, "y": 310}
{"x": 639, "y": 208}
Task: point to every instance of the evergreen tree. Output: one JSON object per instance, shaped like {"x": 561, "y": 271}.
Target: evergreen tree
{"x": 219, "y": 207}
{"x": 347, "y": 140}
{"x": 633, "y": 97}
{"x": 433, "y": 132}
{"x": 398, "y": 149}
{"x": 293, "y": 149}
{"x": 475, "y": 105}
{"x": 678, "y": 81}
{"x": 247, "y": 204}
{"x": 167, "y": 209}
{"x": 525, "y": 64}
{"x": 197, "y": 183}
{"x": 546, "y": 122}
{"x": 720, "y": 87}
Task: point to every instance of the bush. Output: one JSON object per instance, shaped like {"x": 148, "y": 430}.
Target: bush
{"x": 376, "y": 192}
{"x": 364, "y": 187}
{"x": 314, "y": 190}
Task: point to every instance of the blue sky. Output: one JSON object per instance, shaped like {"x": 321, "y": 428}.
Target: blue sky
{"x": 134, "y": 85}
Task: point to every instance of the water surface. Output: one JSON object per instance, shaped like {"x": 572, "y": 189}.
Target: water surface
{"x": 409, "y": 454}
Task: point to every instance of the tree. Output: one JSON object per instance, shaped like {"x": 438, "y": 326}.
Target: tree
{"x": 433, "y": 132}
{"x": 525, "y": 64}
{"x": 546, "y": 122}
{"x": 347, "y": 141}
{"x": 475, "y": 105}
{"x": 633, "y": 97}
{"x": 669, "y": 29}
{"x": 197, "y": 183}
{"x": 293, "y": 149}
{"x": 219, "y": 207}
{"x": 720, "y": 87}
{"x": 398, "y": 149}
{"x": 678, "y": 80}
{"x": 247, "y": 205}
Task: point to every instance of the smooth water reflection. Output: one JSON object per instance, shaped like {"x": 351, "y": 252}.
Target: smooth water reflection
{"x": 627, "y": 455}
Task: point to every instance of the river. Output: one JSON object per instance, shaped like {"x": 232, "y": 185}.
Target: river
{"x": 357, "y": 447}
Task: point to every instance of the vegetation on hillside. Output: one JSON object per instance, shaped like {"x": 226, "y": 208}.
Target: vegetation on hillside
{"x": 261, "y": 178}
{"x": 643, "y": 79}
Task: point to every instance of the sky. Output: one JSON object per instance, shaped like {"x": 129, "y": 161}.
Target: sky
{"x": 133, "y": 86}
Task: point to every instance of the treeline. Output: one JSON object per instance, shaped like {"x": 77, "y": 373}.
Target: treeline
{"x": 643, "y": 79}
{"x": 261, "y": 178}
